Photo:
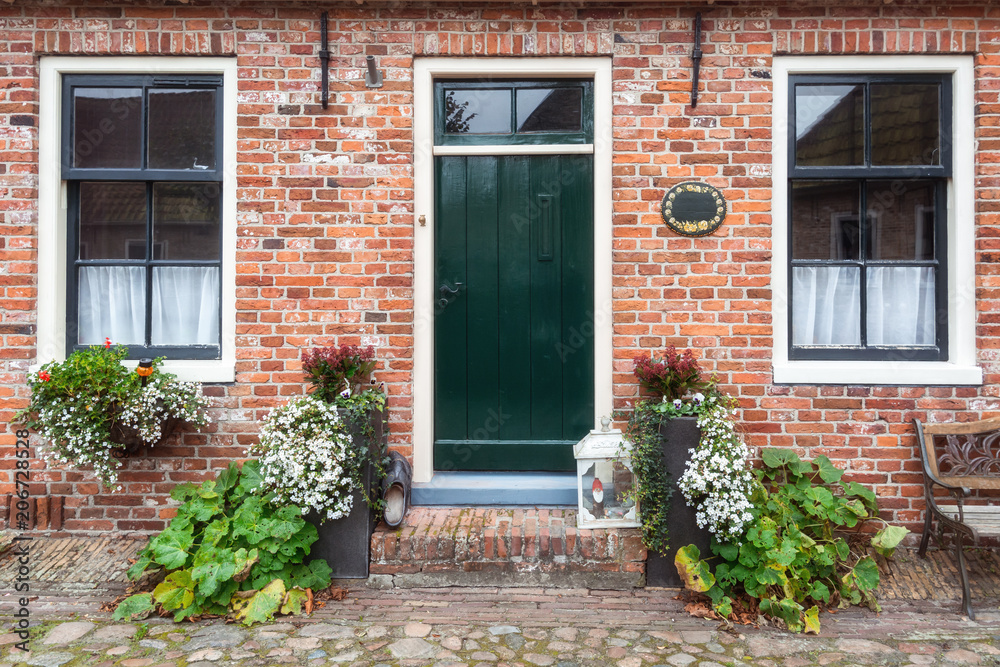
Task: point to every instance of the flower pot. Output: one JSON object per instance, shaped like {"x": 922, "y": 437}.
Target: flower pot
{"x": 677, "y": 436}
{"x": 129, "y": 440}
{"x": 345, "y": 543}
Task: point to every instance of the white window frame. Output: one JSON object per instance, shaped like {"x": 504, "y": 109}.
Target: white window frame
{"x": 52, "y": 204}
{"x": 960, "y": 368}
{"x": 425, "y": 72}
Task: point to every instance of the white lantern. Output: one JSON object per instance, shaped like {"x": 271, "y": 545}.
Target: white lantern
{"x": 604, "y": 479}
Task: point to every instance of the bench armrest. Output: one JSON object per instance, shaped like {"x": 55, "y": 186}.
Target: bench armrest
{"x": 959, "y": 491}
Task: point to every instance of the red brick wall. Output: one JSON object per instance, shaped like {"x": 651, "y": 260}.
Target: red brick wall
{"x": 326, "y": 206}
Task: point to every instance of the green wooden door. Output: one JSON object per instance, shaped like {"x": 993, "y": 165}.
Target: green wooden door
{"x": 514, "y": 354}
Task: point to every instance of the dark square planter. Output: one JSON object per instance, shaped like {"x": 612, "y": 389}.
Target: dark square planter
{"x": 677, "y": 436}
{"x": 345, "y": 543}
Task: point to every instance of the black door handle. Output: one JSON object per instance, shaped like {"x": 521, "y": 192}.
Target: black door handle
{"x": 447, "y": 291}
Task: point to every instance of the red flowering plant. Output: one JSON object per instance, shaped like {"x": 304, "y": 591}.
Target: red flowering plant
{"x": 671, "y": 377}
{"x": 337, "y": 373}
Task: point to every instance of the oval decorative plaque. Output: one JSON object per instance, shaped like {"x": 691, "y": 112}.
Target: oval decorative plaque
{"x": 693, "y": 209}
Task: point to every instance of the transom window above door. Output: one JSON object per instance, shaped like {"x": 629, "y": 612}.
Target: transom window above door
{"x": 513, "y": 112}
{"x": 142, "y": 162}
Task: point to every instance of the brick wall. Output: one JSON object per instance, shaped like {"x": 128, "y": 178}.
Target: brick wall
{"x": 326, "y": 207}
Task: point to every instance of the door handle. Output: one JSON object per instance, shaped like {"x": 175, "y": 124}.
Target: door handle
{"x": 446, "y": 292}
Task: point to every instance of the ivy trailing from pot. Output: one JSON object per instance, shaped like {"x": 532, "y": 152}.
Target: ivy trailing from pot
{"x": 229, "y": 552}
{"x": 90, "y": 406}
{"x": 806, "y": 545}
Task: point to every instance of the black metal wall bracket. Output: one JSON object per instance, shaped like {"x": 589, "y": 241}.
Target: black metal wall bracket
{"x": 696, "y": 59}
{"x": 324, "y": 61}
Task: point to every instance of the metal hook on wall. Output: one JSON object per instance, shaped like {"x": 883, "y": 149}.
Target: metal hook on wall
{"x": 373, "y": 77}
{"x": 324, "y": 62}
{"x": 696, "y": 59}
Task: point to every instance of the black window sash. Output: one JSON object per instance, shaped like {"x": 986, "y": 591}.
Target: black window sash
{"x": 940, "y": 174}
{"x": 74, "y": 175}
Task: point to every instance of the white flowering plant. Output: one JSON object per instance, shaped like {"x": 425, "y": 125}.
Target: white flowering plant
{"x": 90, "y": 406}
{"x": 718, "y": 481}
{"x": 308, "y": 457}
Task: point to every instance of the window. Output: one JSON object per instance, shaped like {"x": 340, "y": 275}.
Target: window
{"x": 873, "y": 223}
{"x": 868, "y": 285}
{"x": 142, "y": 159}
{"x": 137, "y": 209}
{"x": 514, "y": 112}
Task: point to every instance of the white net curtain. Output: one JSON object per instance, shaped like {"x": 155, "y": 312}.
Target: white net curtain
{"x": 185, "y": 305}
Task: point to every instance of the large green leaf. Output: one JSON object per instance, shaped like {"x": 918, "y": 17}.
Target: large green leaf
{"x": 228, "y": 478}
{"x": 250, "y": 477}
{"x": 771, "y": 575}
{"x": 216, "y": 531}
{"x": 170, "y": 548}
{"x": 694, "y": 572}
{"x": 828, "y": 472}
{"x": 314, "y": 575}
{"x": 866, "y": 574}
{"x": 248, "y": 520}
{"x": 134, "y": 608}
{"x": 182, "y": 492}
{"x": 207, "y": 490}
{"x": 866, "y": 494}
{"x": 176, "y": 591}
{"x": 262, "y": 605}
{"x": 728, "y": 551}
{"x": 820, "y": 591}
{"x": 211, "y": 574}
{"x": 204, "y": 508}
{"x": 139, "y": 566}
{"x": 886, "y": 540}
{"x": 776, "y": 457}
{"x": 294, "y": 599}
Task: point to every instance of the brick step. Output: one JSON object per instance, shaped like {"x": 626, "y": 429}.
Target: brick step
{"x": 448, "y": 546}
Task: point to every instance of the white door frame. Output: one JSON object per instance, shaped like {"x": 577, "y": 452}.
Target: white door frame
{"x": 425, "y": 71}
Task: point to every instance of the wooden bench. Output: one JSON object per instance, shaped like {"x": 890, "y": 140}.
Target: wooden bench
{"x": 960, "y": 457}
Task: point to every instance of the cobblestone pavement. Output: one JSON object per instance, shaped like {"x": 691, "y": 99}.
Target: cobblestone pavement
{"x": 489, "y": 627}
{"x": 495, "y": 627}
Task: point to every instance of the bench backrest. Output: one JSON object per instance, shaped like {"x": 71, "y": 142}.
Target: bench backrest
{"x": 964, "y": 453}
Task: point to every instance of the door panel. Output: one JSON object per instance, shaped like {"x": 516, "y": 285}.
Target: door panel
{"x": 514, "y": 323}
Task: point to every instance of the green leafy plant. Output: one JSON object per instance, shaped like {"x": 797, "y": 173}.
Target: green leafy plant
{"x": 804, "y": 547}
{"x": 89, "y": 405}
{"x": 230, "y": 551}
{"x": 338, "y": 372}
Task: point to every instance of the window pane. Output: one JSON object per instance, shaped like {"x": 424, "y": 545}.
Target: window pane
{"x": 112, "y": 220}
{"x": 549, "y": 109}
{"x": 186, "y": 220}
{"x": 901, "y": 214}
{"x": 112, "y": 304}
{"x": 477, "y": 111}
{"x": 901, "y": 305}
{"x": 825, "y": 220}
{"x": 829, "y": 125}
{"x": 181, "y": 129}
{"x": 107, "y": 127}
{"x": 185, "y": 305}
{"x": 906, "y": 123}
{"x": 826, "y": 305}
